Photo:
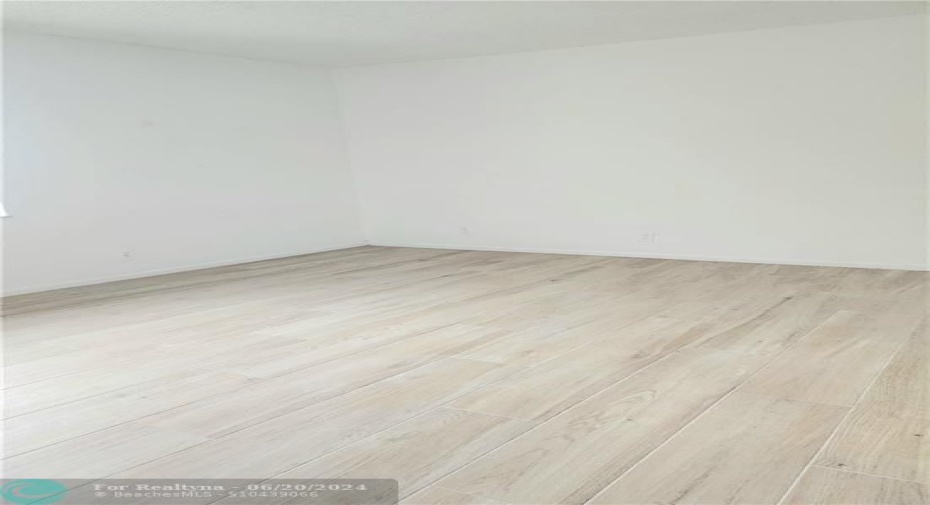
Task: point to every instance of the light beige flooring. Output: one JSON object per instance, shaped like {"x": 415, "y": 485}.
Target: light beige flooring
{"x": 486, "y": 378}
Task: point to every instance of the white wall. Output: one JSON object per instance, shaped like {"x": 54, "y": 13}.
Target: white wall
{"x": 179, "y": 159}
{"x": 926, "y": 65}
{"x": 795, "y": 145}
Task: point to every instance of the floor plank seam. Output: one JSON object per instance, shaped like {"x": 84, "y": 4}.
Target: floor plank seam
{"x": 430, "y": 411}
{"x": 123, "y": 470}
{"x": 698, "y": 416}
{"x": 470, "y": 411}
{"x": 258, "y": 378}
{"x": 553, "y": 418}
{"x": 374, "y": 434}
{"x": 476, "y": 495}
{"x": 842, "y": 422}
{"x": 844, "y": 470}
{"x": 130, "y": 421}
{"x": 358, "y": 395}
{"x": 11, "y": 390}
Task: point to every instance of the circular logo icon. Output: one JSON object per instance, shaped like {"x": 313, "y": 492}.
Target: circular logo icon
{"x": 33, "y": 491}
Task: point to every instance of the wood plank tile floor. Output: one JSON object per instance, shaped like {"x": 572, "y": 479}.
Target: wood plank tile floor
{"x": 485, "y": 378}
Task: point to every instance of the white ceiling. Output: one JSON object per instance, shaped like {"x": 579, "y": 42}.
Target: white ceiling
{"x": 359, "y": 33}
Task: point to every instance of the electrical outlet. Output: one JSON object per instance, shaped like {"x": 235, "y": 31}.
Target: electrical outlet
{"x": 648, "y": 236}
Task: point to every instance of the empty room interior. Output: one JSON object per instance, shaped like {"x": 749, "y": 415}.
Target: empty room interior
{"x": 466, "y": 252}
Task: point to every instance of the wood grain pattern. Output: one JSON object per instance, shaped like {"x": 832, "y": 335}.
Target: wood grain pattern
{"x": 435, "y": 495}
{"x": 574, "y": 455}
{"x": 768, "y": 325}
{"x": 419, "y": 451}
{"x": 70, "y": 420}
{"x": 543, "y": 391}
{"x": 836, "y": 361}
{"x": 870, "y": 443}
{"x": 822, "y": 486}
{"x": 98, "y": 454}
{"x": 901, "y": 390}
{"x": 483, "y": 377}
{"x": 747, "y": 449}
{"x": 221, "y": 415}
{"x": 299, "y": 436}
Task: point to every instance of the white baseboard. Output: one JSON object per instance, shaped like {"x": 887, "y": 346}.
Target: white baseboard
{"x": 688, "y": 257}
{"x": 174, "y": 270}
{"x": 250, "y": 259}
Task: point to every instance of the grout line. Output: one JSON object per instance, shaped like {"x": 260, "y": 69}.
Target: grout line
{"x": 259, "y": 381}
{"x": 562, "y": 413}
{"x": 843, "y": 421}
{"x": 704, "y": 412}
{"x": 795, "y": 400}
{"x": 398, "y": 268}
{"x": 434, "y": 484}
{"x": 843, "y": 470}
{"x": 324, "y": 301}
{"x": 440, "y": 407}
{"x": 428, "y": 363}
{"x": 204, "y": 371}
{"x": 209, "y": 370}
{"x": 262, "y": 479}
{"x": 376, "y": 433}
{"x": 393, "y": 262}
{"x": 589, "y": 398}
{"x": 457, "y": 409}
